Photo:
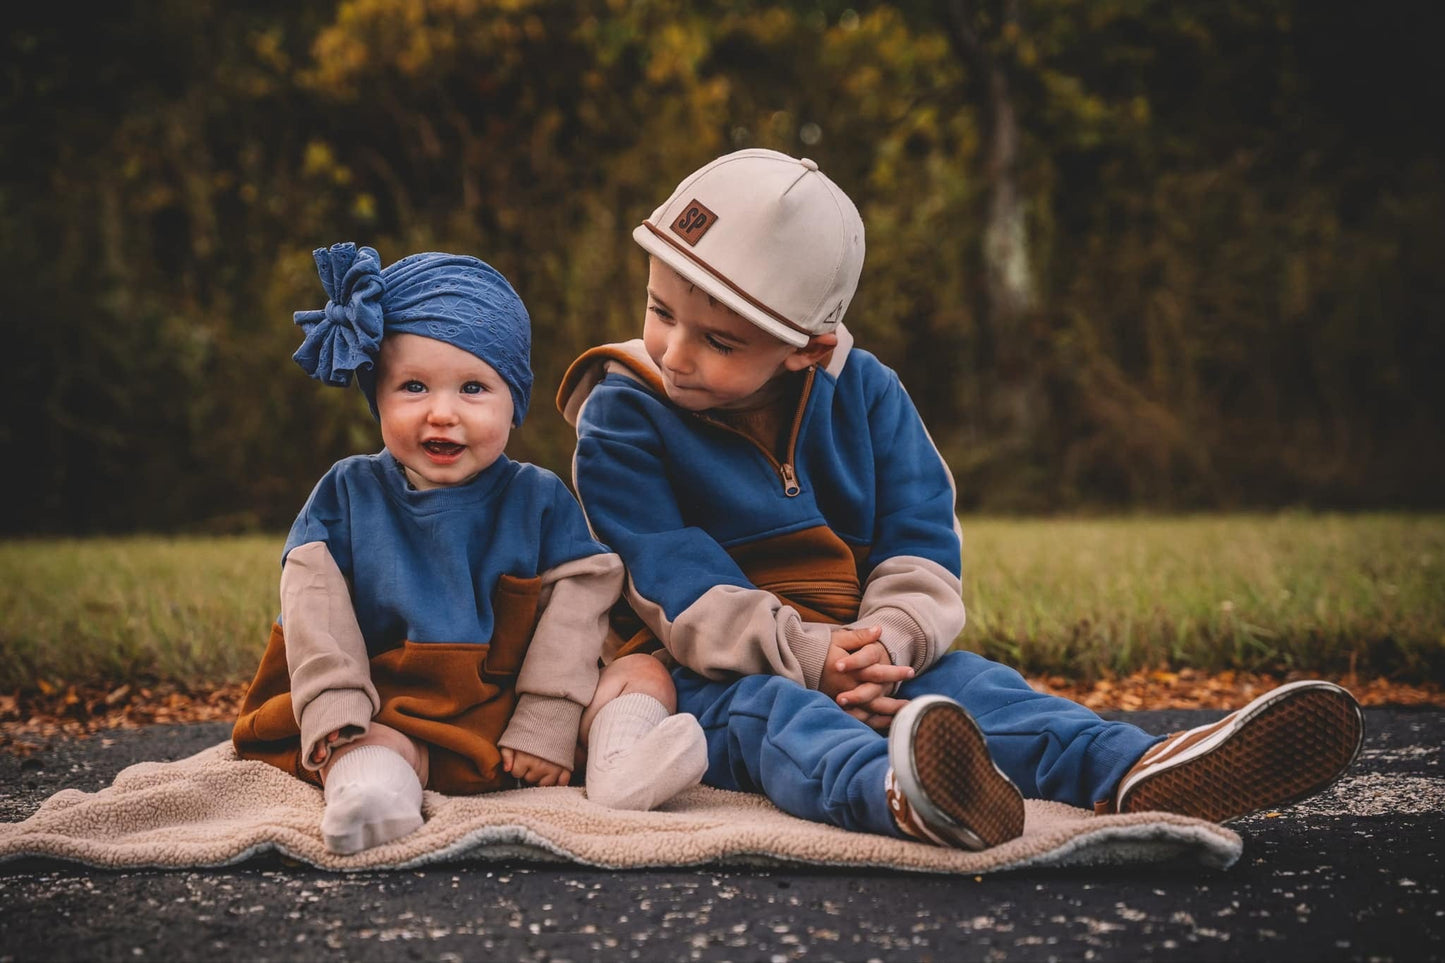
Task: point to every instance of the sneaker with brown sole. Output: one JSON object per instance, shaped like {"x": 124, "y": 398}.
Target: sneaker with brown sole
{"x": 1288, "y": 744}
{"x": 943, "y": 787}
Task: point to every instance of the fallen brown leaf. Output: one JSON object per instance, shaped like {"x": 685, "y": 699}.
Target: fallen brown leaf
{"x": 29, "y": 719}
{"x": 1188, "y": 689}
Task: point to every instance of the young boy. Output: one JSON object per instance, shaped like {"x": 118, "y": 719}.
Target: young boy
{"x": 790, "y": 541}
{"x": 443, "y": 607}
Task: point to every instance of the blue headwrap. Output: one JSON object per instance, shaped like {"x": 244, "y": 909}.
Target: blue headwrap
{"x": 449, "y": 297}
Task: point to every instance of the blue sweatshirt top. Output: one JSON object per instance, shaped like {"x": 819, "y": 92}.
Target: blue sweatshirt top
{"x": 740, "y": 561}
{"x": 423, "y": 565}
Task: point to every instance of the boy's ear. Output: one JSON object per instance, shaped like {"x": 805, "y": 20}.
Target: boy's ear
{"x": 819, "y": 346}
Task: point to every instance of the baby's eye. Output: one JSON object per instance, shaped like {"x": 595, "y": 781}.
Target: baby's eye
{"x": 473, "y": 388}
{"x": 719, "y": 346}
{"x": 415, "y": 387}
{"x": 662, "y": 313}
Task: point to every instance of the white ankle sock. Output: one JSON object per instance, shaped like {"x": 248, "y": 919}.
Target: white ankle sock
{"x": 373, "y": 796}
{"x": 639, "y": 756}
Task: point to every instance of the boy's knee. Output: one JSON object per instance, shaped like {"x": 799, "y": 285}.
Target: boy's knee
{"x": 767, "y": 694}
{"x": 768, "y": 683}
{"x": 954, "y": 671}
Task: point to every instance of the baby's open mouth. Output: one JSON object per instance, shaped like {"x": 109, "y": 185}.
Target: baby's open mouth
{"x": 442, "y": 447}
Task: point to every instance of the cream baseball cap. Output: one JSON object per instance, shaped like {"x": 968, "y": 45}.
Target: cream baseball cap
{"x": 766, "y": 234}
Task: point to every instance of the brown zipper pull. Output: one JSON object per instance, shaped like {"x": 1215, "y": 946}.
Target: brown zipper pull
{"x": 790, "y": 480}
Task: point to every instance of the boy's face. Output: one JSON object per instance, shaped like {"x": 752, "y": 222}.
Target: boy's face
{"x": 445, "y": 413}
{"x": 709, "y": 356}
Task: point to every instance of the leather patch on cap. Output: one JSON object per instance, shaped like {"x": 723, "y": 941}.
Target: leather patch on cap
{"x": 693, "y": 222}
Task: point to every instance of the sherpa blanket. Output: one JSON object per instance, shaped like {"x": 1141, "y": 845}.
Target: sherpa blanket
{"x": 212, "y": 809}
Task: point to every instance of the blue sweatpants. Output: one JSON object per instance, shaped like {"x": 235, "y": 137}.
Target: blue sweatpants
{"x": 770, "y": 735}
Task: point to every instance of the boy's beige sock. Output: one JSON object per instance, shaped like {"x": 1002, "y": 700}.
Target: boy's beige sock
{"x": 373, "y": 796}
{"x": 640, "y": 756}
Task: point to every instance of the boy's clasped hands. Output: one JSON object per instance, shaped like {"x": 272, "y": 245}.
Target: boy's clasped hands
{"x": 861, "y": 678}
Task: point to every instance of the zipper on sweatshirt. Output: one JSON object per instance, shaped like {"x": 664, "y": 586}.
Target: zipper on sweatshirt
{"x": 790, "y": 480}
{"x": 785, "y": 470}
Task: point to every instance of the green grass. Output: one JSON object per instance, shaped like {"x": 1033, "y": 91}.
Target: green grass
{"x": 1315, "y": 593}
{"x": 118, "y": 609}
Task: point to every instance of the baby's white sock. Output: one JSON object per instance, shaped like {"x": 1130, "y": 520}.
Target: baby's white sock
{"x": 640, "y": 756}
{"x": 373, "y": 796}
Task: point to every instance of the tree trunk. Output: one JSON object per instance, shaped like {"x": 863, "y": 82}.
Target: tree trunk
{"x": 1015, "y": 403}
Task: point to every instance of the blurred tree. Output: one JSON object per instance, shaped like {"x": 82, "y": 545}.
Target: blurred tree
{"x": 1123, "y": 252}
{"x": 135, "y": 229}
{"x": 992, "y": 44}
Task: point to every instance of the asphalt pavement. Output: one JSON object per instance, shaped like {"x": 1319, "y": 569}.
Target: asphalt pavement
{"x": 1352, "y": 874}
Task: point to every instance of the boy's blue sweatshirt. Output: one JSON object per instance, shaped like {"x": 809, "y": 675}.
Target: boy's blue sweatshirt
{"x": 740, "y": 562}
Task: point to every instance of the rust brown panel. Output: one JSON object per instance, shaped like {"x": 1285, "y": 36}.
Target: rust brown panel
{"x": 266, "y": 728}
{"x": 456, "y": 697}
{"x": 514, "y": 614}
{"x": 814, "y": 571}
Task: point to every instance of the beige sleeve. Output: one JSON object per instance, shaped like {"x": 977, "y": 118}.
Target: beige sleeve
{"x": 559, "y": 673}
{"x": 331, "y": 686}
{"x": 919, "y": 605}
{"x": 733, "y": 631}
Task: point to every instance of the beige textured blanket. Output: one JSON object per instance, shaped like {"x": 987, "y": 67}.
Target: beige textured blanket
{"x": 212, "y": 809}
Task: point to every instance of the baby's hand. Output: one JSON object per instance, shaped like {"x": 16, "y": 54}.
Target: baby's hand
{"x": 323, "y": 746}
{"x": 327, "y": 744}
{"x": 534, "y": 769}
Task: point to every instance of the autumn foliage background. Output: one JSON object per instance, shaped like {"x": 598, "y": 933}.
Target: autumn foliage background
{"x": 1131, "y": 258}
{"x": 1125, "y": 254}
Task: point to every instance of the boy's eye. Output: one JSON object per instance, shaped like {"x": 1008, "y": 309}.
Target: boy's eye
{"x": 413, "y": 386}
{"x": 662, "y": 314}
{"x": 719, "y": 346}
{"x": 473, "y": 388}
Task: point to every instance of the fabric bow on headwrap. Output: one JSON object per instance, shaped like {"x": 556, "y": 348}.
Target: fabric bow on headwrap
{"x": 346, "y": 334}
{"x": 453, "y": 298}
